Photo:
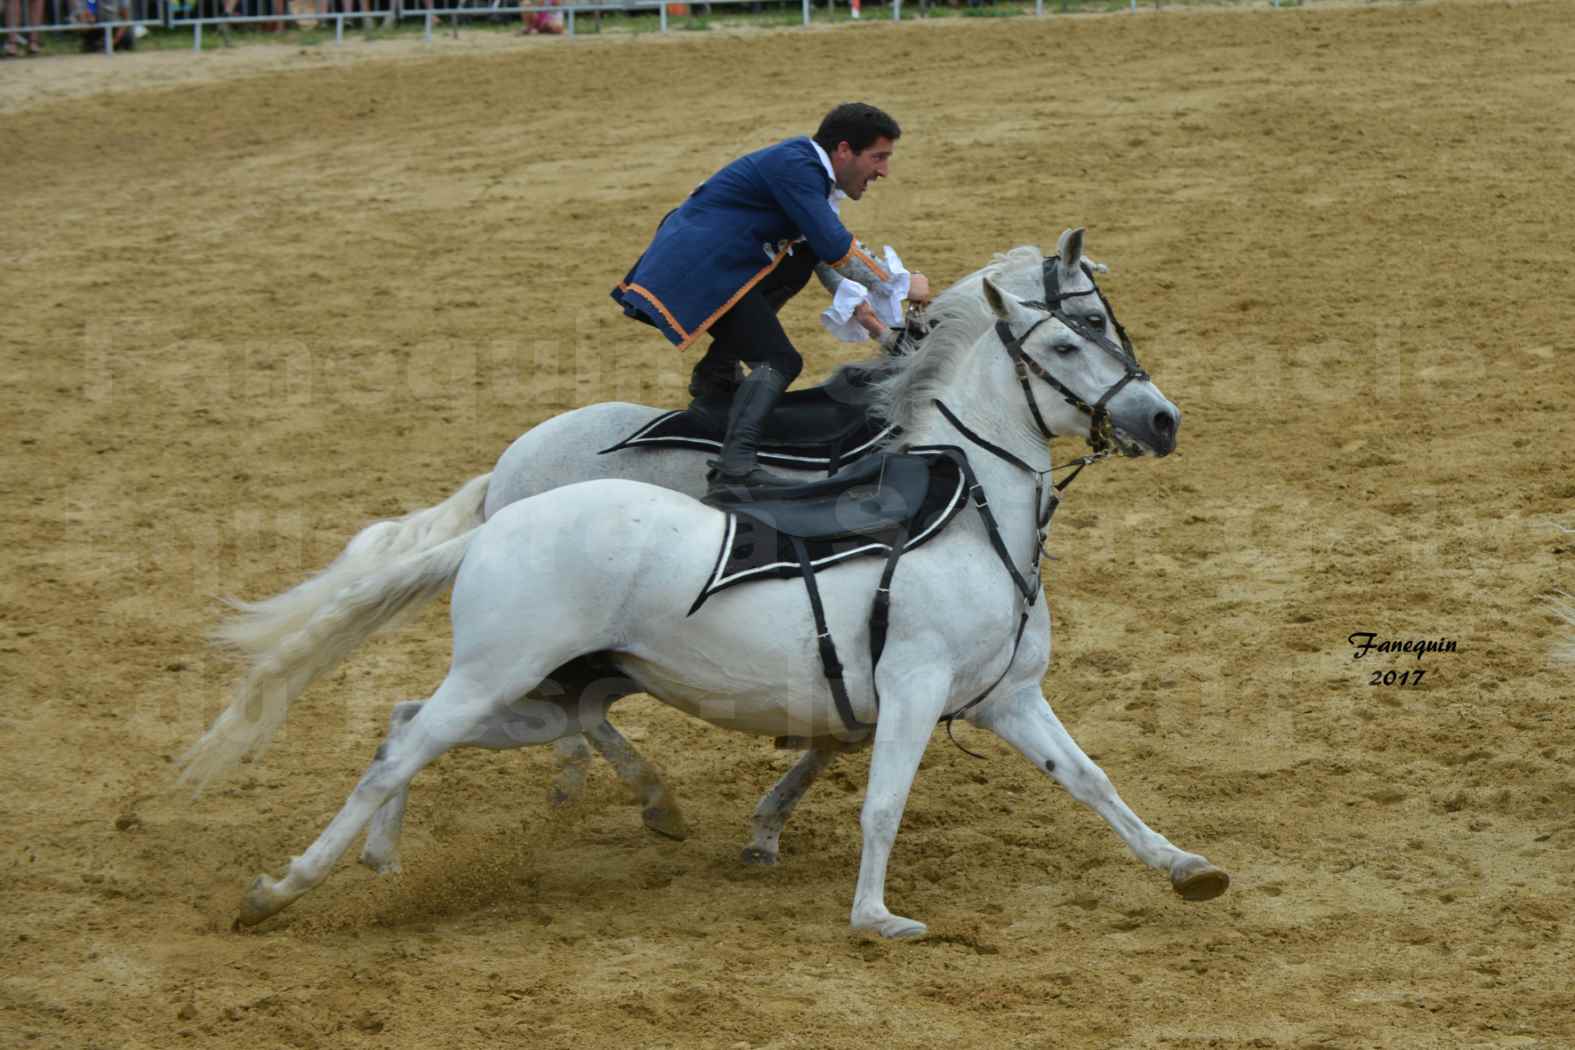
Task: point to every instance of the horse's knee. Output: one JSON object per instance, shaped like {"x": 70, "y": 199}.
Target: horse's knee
{"x": 880, "y": 821}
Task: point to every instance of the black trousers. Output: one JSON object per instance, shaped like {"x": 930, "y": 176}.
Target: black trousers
{"x": 750, "y": 332}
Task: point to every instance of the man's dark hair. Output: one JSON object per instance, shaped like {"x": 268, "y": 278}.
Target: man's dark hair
{"x": 858, "y": 124}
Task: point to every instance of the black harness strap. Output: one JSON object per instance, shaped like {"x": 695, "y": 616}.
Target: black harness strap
{"x": 834, "y": 460}
{"x": 880, "y": 610}
{"x": 978, "y": 439}
{"x": 828, "y": 648}
{"x": 1030, "y": 592}
{"x": 1022, "y": 625}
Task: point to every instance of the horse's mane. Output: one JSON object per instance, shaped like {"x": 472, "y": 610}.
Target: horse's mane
{"x": 899, "y": 386}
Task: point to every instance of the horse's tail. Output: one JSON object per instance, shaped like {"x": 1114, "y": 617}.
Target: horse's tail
{"x": 257, "y": 628}
{"x": 262, "y": 698}
{"x": 391, "y": 568}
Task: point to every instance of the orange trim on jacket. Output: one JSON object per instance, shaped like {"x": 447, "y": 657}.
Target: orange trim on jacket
{"x": 649, "y": 297}
{"x": 854, "y": 250}
{"x": 736, "y": 296}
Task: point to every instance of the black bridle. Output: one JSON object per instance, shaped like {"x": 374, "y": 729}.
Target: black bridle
{"x": 1101, "y": 432}
{"x": 1101, "y": 436}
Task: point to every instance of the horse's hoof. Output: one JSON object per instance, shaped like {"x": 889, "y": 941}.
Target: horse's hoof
{"x": 558, "y": 797}
{"x": 757, "y": 856}
{"x": 383, "y": 865}
{"x": 259, "y": 903}
{"x": 669, "y": 823}
{"x": 893, "y": 927}
{"x": 568, "y": 789}
{"x": 898, "y": 928}
{"x": 1199, "y": 880}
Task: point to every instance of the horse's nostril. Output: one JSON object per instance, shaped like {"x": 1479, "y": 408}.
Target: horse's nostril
{"x": 1164, "y": 423}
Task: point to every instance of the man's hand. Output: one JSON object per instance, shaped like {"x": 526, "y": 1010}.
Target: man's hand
{"x": 918, "y": 288}
{"x": 866, "y": 317}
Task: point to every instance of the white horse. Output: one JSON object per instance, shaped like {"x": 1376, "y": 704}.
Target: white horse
{"x": 608, "y": 570}
{"x": 285, "y": 655}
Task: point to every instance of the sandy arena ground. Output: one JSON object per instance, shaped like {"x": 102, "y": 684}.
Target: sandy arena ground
{"x": 254, "y": 300}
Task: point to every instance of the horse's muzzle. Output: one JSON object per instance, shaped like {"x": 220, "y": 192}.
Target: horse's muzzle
{"x": 1154, "y": 435}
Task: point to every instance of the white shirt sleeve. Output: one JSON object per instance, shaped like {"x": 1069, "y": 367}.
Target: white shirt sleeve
{"x": 885, "y": 299}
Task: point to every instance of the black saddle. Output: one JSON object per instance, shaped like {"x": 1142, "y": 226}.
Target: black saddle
{"x": 817, "y": 428}
{"x": 861, "y": 510}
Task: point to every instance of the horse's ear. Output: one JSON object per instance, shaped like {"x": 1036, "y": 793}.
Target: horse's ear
{"x": 998, "y": 300}
{"x": 1005, "y": 306}
{"x": 1070, "y": 249}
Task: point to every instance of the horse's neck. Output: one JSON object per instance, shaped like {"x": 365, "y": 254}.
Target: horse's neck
{"x": 989, "y": 401}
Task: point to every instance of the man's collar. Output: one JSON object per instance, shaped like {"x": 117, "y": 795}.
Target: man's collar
{"x": 825, "y": 162}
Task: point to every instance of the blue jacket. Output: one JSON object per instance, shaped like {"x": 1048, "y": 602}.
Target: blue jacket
{"x": 730, "y": 232}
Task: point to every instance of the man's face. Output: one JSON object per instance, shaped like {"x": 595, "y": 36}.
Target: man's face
{"x": 855, "y": 171}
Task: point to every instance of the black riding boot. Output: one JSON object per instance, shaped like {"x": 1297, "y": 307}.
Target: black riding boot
{"x": 736, "y": 471}
{"x": 714, "y": 381}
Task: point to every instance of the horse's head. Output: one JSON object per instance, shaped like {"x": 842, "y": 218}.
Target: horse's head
{"x": 1075, "y": 362}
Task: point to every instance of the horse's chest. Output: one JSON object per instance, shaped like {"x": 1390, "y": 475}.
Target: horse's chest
{"x": 973, "y": 614}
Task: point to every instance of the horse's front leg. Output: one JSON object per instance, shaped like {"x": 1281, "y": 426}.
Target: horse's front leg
{"x": 1023, "y": 719}
{"x": 901, "y": 735}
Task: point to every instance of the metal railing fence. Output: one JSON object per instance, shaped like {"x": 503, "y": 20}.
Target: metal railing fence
{"x": 116, "y": 22}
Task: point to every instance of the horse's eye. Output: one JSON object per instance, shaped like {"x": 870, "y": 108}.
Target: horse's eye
{"x": 1095, "y": 321}
{"x": 1063, "y": 347}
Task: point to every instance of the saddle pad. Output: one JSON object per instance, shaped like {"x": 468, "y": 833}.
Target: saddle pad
{"x": 811, "y": 429}
{"x": 855, "y": 513}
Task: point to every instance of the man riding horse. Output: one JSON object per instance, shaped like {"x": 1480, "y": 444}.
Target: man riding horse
{"x": 743, "y": 244}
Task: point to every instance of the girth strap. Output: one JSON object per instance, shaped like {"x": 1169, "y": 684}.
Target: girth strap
{"x": 880, "y": 610}
{"x": 828, "y": 648}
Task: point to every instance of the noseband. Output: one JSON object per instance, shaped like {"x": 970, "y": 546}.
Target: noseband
{"x": 1101, "y": 433}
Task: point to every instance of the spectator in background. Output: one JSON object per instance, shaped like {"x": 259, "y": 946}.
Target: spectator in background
{"x": 548, "y": 22}
{"x": 13, "y": 17}
{"x": 87, "y": 13}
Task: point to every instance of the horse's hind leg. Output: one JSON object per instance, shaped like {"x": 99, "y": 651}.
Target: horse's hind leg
{"x": 574, "y": 760}
{"x": 1024, "y": 720}
{"x": 448, "y": 719}
{"x": 571, "y": 686}
{"x": 658, "y": 806}
{"x": 778, "y": 803}
{"x": 590, "y": 683}
{"x": 381, "y": 850}
{"x": 508, "y": 730}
